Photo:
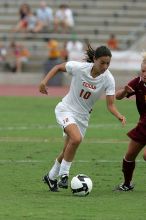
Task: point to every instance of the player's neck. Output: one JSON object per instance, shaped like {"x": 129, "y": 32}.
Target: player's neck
{"x": 94, "y": 72}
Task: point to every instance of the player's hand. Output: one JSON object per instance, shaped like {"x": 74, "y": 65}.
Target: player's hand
{"x": 123, "y": 120}
{"x": 128, "y": 89}
{"x": 42, "y": 88}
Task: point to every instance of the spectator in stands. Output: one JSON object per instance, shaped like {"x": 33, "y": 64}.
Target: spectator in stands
{"x": 3, "y": 53}
{"x": 75, "y": 49}
{"x": 63, "y": 19}
{"x": 112, "y": 42}
{"x": 54, "y": 58}
{"x": 30, "y": 23}
{"x": 23, "y": 12}
{"x": 54, "y": 51}
{"x": 23, "y": 57}
{"x": 33, "y": 23}
{"x": 45, "y": 15}
{"x": 17, "y": 55}
{"x": 64, "y": 52}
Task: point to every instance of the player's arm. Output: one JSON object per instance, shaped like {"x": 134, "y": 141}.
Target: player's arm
{"x": 50, "y": 75}
{"x": 122, "y": 93}
{"x": 113, "y": 109}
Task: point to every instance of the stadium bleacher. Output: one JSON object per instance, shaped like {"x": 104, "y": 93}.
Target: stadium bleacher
{"x": 94, "y": 20}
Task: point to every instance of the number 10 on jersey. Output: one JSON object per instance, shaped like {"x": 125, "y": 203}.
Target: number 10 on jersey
{"x": 84, "y": 94}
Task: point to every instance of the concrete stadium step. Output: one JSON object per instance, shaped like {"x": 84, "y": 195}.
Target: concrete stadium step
{"x": 94, "y": 20}
{"x": 21, "y": 78}
{"x": 118, "y": 30}
{"x": 43, "y": 36}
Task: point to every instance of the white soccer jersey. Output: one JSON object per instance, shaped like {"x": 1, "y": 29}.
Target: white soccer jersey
{"x": 84, "y": 89}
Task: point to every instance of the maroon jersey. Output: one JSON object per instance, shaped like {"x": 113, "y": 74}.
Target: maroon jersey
{"x": 140, "y": 92}
{"x": 139, "y": 132}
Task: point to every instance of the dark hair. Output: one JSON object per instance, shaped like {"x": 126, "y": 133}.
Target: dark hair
{"x": 99, "y": 52}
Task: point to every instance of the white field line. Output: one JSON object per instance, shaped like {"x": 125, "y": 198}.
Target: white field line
{"x": 27, "y": 127}
{"x": 60, "y": 140}
{"x": 40, "y": 127}
{"x": 76, "y": 161}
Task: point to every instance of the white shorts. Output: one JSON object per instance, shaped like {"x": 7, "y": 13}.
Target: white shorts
{"x": 65, "y": 117}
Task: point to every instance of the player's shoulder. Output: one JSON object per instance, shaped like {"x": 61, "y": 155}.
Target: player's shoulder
{"x": 134, "y": 82}
{"x": 77, "y": 64}
{"x": 73, "y": 62}
{"x": 108, "y": 74}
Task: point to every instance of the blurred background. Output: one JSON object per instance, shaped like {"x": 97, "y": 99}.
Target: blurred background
{"x": 36, "y": 35}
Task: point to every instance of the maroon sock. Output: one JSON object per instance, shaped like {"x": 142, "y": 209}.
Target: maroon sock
{"x": 128, "y": 168}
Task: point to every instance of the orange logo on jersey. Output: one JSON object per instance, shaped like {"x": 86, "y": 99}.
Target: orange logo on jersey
{"x": 88, "y": 85}
{"x": 145, "y": 98}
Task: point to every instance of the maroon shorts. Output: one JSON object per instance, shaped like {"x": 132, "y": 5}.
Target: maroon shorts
{"x": 138, "y": 133}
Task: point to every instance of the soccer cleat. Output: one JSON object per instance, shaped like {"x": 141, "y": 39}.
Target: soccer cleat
{"x": 63, "y": 182}
{"x": 51, "y": 183}
{"x": 125, "y": 188}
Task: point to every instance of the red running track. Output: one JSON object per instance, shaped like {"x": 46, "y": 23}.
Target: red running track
{"x": 28, "y": 90}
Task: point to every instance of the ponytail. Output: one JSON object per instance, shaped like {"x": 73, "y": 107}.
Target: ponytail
{"x": 90, "y": 54}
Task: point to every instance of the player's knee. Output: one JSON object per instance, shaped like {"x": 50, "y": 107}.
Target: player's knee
{"x": 130, "y": 156}
{"x": 76, "y": 140}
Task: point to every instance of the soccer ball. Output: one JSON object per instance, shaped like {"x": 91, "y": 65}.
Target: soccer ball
{"x": 81, "y": 185}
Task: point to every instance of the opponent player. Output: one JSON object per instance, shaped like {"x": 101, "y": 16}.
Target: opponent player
{"x": 90, "y": 79}
{"x": 137, "y": 135}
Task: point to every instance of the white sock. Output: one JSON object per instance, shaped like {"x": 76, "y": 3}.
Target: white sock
{"x": 53, "y": 174}
{"x": 65, "y": 167}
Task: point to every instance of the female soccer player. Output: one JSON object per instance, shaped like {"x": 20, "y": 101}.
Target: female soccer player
{"x": 137, "y": 135}
{"x": 89, "y": 80}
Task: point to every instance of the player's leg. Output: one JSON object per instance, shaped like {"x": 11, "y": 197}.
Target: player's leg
{"x": 74, "y": 139}
{"x": 51, "y": 177}
{"x": 74, "y": 131}
{"x": 129, "y": 160}
{"x": 61, "y": 155}
{"x": 54, "y": 172}
{"x": 128, "y": 164}
{"x": 64, "y": 160}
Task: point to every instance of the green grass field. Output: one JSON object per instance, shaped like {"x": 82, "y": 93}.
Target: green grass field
{"x": 30, "y": 139}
